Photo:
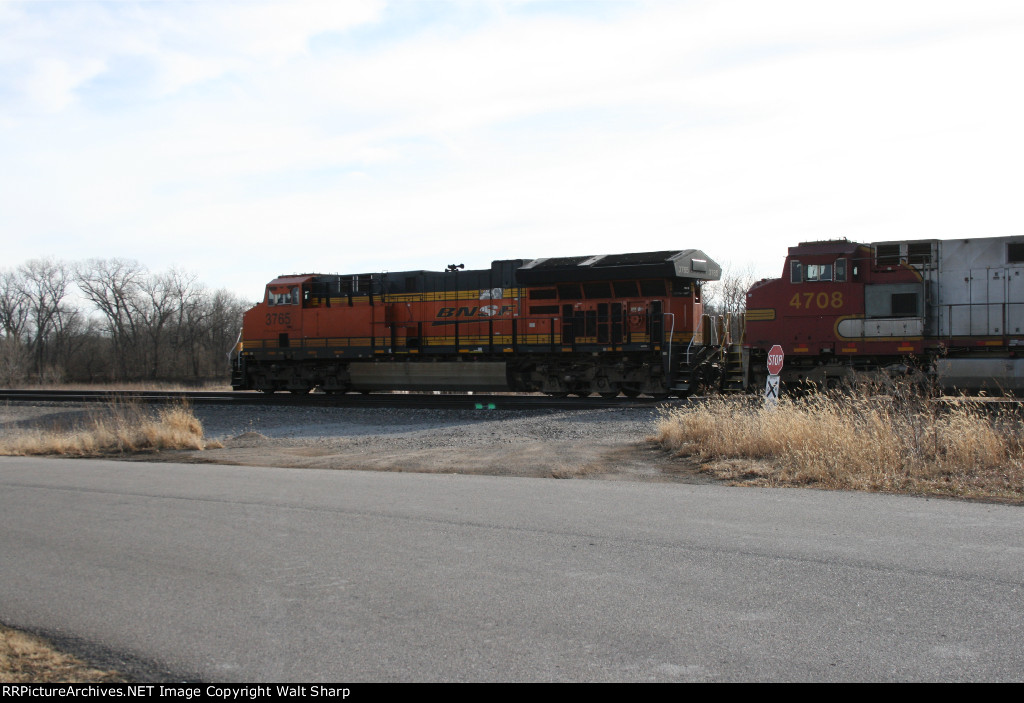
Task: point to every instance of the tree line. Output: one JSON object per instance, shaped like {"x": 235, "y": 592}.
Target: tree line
{"x": 113, "y": 320}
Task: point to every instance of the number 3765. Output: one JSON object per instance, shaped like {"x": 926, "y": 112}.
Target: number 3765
{"x": 279, "y": 318}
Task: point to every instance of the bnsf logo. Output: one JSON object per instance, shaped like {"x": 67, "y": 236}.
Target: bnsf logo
{"x": 482, "y": 311}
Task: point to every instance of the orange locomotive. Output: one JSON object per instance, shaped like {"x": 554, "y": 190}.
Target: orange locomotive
{"x": 629, "y": 323}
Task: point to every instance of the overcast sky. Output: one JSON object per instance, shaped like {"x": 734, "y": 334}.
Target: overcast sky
{"x": 242, "y": 140}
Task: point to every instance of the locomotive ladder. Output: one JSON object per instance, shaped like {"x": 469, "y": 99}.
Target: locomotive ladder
{"x": 687, "y": 371}
{"x": 717, "y": 361}
{"x": 732, "y": 379}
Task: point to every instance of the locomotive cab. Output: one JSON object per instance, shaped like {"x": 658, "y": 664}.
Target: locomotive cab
{"x": 839, "y": 307}
{"x": 950, "y": 308}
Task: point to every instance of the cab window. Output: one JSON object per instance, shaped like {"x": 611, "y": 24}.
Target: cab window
{"x": 283, "y": 296}
{"x": 819, "y": 272}
{"x": 841, "y": 270}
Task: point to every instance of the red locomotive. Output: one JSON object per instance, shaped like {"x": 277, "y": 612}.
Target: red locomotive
{"x": 629, "y": 323}
{"x": 953, "y": 309}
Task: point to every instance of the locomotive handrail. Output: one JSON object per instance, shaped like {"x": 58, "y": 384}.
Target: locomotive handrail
{"x": 693, "y": 336}
{"x": 671, "y": 334}
{"x": 236, "y": 348}
{"x": 1004, "y": 308}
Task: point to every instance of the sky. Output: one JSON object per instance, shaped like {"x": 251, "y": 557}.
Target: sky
{"x": 243, "y": 140}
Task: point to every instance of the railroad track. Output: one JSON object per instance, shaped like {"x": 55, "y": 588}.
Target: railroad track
{"x": 387, "y": 400}
{"x": 371, "y": 400}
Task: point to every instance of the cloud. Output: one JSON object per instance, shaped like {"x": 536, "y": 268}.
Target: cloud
{"x": 50, "y": 84}
{"x": 186, "y": 43}
{"x": 279, "y": 136}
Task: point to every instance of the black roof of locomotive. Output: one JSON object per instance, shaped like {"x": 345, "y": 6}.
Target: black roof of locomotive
{"x": 501, "y": 274}
{"x": 686, "y": 263}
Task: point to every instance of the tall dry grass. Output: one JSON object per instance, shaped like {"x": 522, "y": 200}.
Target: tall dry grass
{"x": 119, "y": 427}
{"x": 898, "y": 442}
{"x": 114, "y": 387}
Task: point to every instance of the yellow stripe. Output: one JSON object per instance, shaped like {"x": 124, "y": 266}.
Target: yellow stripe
{"x": 761, "y": 315}
{"x": 449, "y": 295}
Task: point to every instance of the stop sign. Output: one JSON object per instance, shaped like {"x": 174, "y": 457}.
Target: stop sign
{"x": 775, "y": 357}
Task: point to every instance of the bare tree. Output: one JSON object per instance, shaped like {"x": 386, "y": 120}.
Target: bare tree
{"x": 154, "y": 308}
{"x": 223, "y": 324}
{"x": 13, "y": 305}
{"x": 113, "y": 286}
{"x": 191, "y": 313}
{"x": 728, "y": 296}
{"x": 15, "y": 361}
{"x": 69, "y": 326}
{"x": 45, "y": 287}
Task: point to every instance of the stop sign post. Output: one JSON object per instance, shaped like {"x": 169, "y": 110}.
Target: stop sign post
{"x": 775, "y": 358}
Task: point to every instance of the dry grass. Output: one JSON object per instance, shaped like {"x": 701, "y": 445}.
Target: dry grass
{"x": 26, "y": 658}
{"x": 120, "y": 427}
{"x": 898, "y": 442}
{"x": 114, "y": 387}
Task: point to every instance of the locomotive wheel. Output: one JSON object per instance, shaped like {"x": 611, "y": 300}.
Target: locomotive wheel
{"x": 609, "y": 394}
{"x": 630, "y": 392}
{"x": 268, "y": 391}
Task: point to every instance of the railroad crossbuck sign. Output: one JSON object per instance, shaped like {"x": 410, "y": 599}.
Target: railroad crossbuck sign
{"x": 771, "y": 391}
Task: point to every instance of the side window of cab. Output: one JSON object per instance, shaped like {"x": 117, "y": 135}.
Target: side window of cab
{"x": 840, "y": 271}
{"x": 283, "y": 296}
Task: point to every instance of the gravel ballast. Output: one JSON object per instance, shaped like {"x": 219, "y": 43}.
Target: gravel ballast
{"x": 600, "y": 443}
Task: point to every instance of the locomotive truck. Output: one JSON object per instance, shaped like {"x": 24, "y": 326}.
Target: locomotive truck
{"x": 608, "y": 324}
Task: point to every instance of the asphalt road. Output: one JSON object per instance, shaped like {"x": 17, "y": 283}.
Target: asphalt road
{"x": 254, "y": 574}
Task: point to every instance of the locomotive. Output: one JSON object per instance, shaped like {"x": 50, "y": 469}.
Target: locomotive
{"x": 951, "y": 310}
{"x": 608, "y": 324}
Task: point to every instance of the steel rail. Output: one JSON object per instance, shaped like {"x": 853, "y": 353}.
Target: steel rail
{"x": 371, "y": 400}
{"x": 399, "y": 400}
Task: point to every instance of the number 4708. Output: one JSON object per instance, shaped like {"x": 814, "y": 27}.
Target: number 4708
{"x": 821, "y": 301}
